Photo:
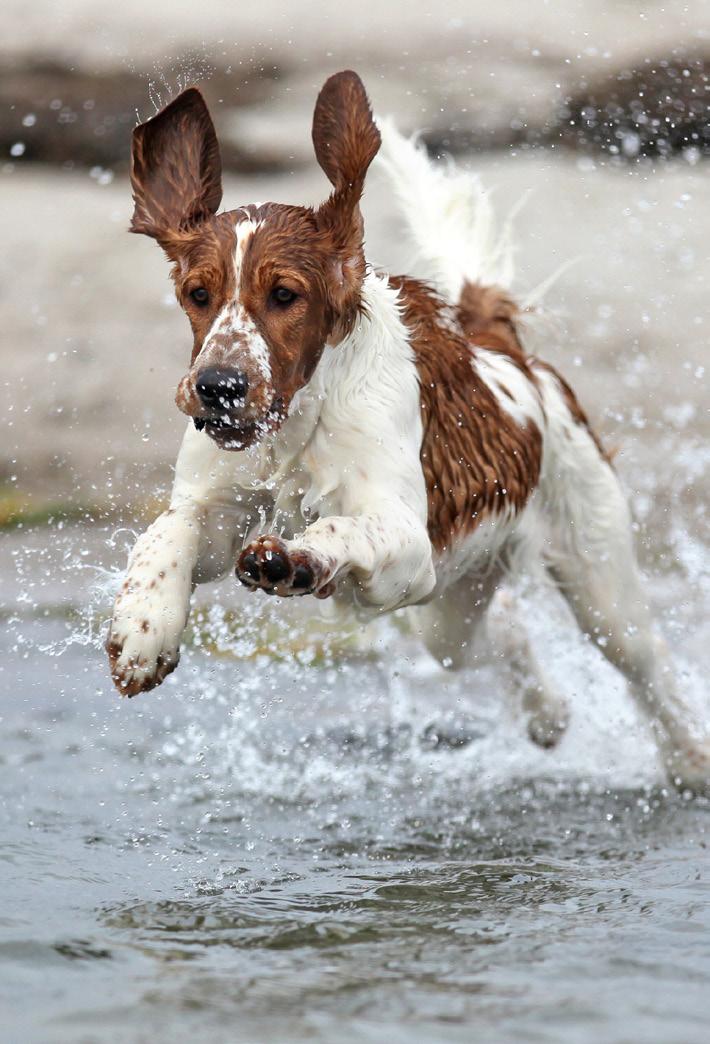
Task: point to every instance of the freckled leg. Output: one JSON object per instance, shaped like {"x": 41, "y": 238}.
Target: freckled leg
{"x": 152, "y": 607}
{"x": 191, "y": 543}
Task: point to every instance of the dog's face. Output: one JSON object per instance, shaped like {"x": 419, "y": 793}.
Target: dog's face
{"x": 265, "y": 287}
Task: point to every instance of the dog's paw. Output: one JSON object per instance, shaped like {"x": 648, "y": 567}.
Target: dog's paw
{"x": 143, "y": 644}
{"x": 269, "y": 565}
{"x": 546, "y": 728}
{"x": 136, "y": 668}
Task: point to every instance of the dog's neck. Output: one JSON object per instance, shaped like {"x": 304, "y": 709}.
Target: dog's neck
{"x": 377, "y": 344}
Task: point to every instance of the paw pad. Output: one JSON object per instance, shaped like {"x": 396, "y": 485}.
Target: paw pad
{"x": 268, "y": 565}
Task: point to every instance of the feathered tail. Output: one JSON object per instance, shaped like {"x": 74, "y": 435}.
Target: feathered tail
{"x": 449, "y": 216}
{"x": 451, "y": 220}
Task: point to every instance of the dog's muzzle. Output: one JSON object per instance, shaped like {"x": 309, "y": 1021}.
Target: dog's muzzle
{"x": 221, "y": 390}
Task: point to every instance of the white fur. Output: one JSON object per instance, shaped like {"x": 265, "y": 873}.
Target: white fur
{"x": 244, "y": 230}
{"x": 513, "y": 391}
{"x": 363, "y": 459}
{"x": 234, "y": 324}
{"x": 589, "y": 548}
{"x": 449, "y": 217}
{"x": 451, "y": 221}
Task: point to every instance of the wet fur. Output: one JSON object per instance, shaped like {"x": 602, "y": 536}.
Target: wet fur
{"x": 396, "y": 431}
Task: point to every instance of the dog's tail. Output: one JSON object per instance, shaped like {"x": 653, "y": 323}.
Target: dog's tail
{"x": 449, "y": 216}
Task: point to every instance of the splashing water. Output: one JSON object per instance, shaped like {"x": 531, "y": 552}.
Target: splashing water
{"x": 307, "y": 834}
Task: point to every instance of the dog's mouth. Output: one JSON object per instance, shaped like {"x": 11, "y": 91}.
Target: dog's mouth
{"x": 237, "y": 432}
{"x": 226, "y": 433}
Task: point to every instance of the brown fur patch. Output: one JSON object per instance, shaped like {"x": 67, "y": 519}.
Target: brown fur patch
{"x": 289, "y": 250}
{"x": 487, "y": 316}
{"x": 176, "y": 170}
{"x": 203, "y": 257}
{"x": 477, "y": 461}
{"x": 345, "y": 140}
{"x": 345, "y": 137}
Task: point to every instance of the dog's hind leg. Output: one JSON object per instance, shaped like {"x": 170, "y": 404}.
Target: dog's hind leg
{"x": 547, "y": 712}
{"x": 449, "y": 624}
{"x": 590, "y": 555}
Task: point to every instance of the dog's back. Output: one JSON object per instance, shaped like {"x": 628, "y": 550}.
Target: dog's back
{"x": 486, "y": 403}
{"x": 481, "y": 413}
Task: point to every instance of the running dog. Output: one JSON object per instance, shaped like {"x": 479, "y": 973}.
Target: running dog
{"x": 398, "y": 430}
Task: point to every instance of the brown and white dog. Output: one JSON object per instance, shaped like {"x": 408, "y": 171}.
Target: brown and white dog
{"x": 396, "y": 433}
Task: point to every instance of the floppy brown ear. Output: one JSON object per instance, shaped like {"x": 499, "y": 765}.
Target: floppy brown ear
{"x": 345, "y": 137}
{"x": 346, "y": 140}
{"x": 176, "y": 170}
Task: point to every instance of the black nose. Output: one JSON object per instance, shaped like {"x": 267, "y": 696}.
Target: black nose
{"x": 222, "y": 389}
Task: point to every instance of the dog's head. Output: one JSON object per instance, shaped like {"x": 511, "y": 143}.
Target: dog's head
{"x": 265, "y": 287}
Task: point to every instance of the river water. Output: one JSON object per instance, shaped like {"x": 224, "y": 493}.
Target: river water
{"x": 335, "y": 841}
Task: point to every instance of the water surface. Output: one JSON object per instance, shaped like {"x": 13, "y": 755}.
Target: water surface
{"x": 339, "y": 846}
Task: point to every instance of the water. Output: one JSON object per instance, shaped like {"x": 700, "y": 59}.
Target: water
{"x": 338, "y": 843}
{"x": 299, "y": 837}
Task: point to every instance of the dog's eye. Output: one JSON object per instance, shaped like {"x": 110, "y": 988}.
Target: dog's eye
{"x": 283, "y": 296}
{"x": 200, "y": 296}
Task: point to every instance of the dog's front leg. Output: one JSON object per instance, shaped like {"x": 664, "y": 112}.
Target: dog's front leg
{"x": 388, "y": 554}
{"x": 193, "y": 542}
{"x": 152, "y": 606}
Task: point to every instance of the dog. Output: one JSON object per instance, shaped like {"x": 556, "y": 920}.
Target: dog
{"x": 408, "y": 445}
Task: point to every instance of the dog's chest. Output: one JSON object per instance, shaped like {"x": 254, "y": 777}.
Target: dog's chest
{"x": 304, "y": 483}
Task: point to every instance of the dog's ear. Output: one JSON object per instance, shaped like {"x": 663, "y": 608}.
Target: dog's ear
{"x": 176, "y": 170}
{"x": 346, "y": 141}
{"x": 345, "y": 137}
